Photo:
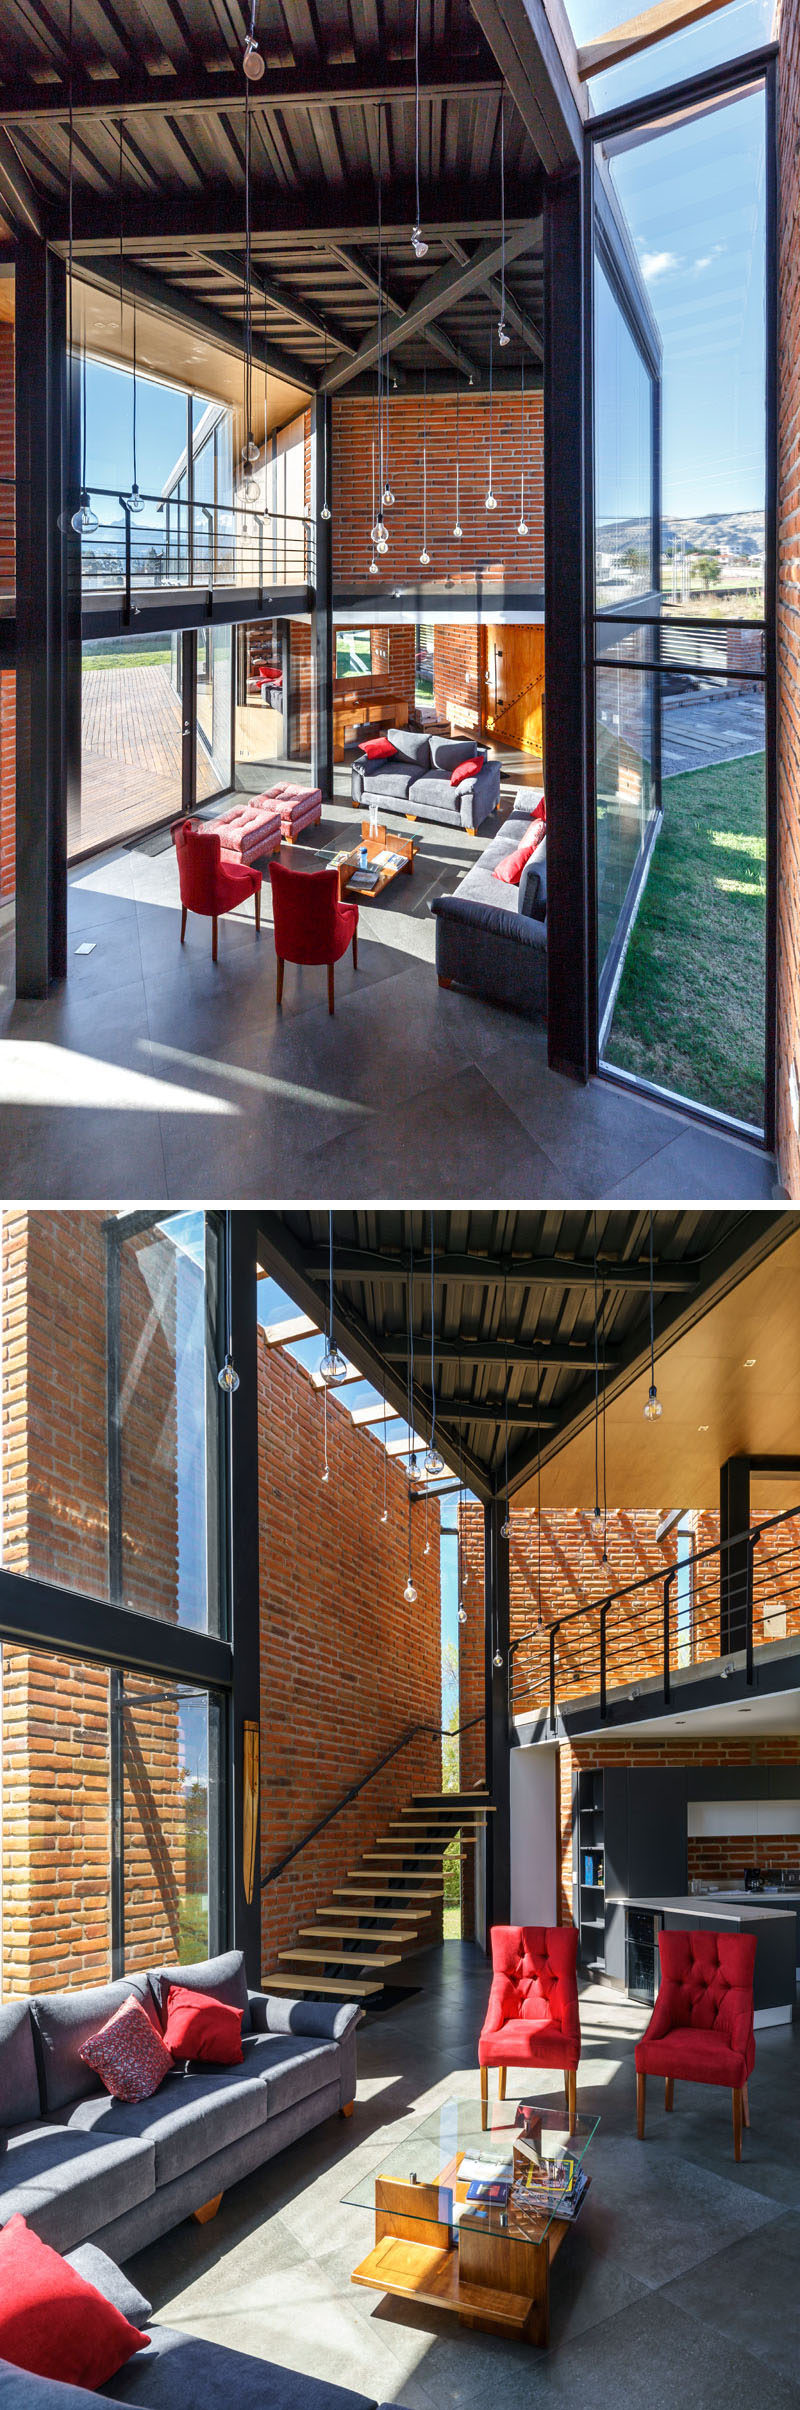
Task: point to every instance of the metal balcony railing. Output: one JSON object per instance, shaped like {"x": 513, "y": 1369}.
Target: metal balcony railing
{"x": 176, "y": 545}
{"x": 722, "y": 1603}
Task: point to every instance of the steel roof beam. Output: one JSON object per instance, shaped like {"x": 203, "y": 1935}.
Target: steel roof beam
{"x": 440, "y": 292}
{"x": 198, "y": 92}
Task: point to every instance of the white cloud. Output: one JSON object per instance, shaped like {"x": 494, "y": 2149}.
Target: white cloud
{"x": 708, "y": 258}
{"x": 657, "y": 263}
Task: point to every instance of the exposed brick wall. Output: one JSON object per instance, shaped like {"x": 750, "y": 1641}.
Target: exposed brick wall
{"x": 56, "y": 1840}
{"x": 489, "y": 536}
{"x": 346, "y": 1665}
{"x": 722, "y": 1859}
{"x": 7, "y": 678}
{"x": 789, "y": 591}
{"x": 459, "y": 660}
{"x": 300, "y": 687}
{"x": 8, "y": 776}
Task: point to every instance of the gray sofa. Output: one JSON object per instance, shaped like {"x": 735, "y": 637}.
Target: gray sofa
{"x": 492, "y": 938}
{"x": 81, "y": 2166}
{"x": 176, "y": 2371}
{"x": 419, "y": 780}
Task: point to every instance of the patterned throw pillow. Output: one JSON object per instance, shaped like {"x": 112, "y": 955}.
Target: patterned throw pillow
{"x": 128, "y": 2054}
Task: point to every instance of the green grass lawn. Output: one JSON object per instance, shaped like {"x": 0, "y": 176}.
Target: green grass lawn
{"x": 690, "y": 1008}
{"x": 133, "y": 660}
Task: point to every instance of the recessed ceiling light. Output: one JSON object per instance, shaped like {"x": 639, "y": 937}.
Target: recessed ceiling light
{"x": 748, "y": 1363}
{"x": 744, "y": 1711}
{"x": 680, "y": 1719}
{"x": 702, "y": 1426}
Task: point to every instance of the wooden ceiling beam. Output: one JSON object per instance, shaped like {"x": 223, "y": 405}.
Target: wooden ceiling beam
{"x": 197, "y": 91}
{"x": 641, "y": 32}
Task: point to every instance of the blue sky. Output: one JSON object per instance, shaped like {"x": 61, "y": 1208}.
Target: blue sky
{"x": 160, "y": 429}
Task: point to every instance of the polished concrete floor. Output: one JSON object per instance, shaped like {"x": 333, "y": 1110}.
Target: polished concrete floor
{"x": 680, "y": 2283}
{"x": 152, "y": 1074}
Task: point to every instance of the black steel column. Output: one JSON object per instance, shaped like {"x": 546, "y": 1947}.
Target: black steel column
{"x": 569, "y": 951}
{"x": 322, "y": 614}
{"x": 498, "y": 1725}
{"x": 48, "y": 581}
{"x": 244, "y": 1570}
{"x": 734, "y": 1524}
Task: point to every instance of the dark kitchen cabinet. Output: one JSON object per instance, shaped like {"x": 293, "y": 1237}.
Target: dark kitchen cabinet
{"x": 630, "y": 1826}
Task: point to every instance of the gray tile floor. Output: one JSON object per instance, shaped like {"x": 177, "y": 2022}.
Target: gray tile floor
{"x": 680, "y": 2281}
{"x": 151, "y": 1073}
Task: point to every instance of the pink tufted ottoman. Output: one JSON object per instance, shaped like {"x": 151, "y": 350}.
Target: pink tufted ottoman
{"x": 250, "y": 829}
{"x": 299, "y": 808}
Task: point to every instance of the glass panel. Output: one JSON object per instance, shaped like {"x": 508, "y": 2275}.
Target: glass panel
{"x": 626, "y": 806}
{"x": 214, "y": 698}
{"x": 259, "y": 742}
{"x": 353, "y": 653}
{"x": 689, "y": 1015}
{"x": 693, "y": 197}
{"x": 131, "y": 739}
{"x": 623, "y": 454}
{"x": 732, "y": 33}
{"x": 169, "y": 1814}
{"x": 431, "y": 2170}
{"x": 116, "y": 1492}
{"x": 423, "y": 668}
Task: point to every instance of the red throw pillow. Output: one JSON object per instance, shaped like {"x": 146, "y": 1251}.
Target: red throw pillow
{"x": 128, "y": 2053}
{"x": 541, "y": 811}
{"x": 200, "y": 2027}
{"x": 51, "y": 2321}
{"x": 378, "y": 748}
{"x": 467, "y": 769}
{"x": 512, "y": 865}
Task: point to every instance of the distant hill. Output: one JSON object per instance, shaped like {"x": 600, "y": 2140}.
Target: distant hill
{"x": 740, "y": 531}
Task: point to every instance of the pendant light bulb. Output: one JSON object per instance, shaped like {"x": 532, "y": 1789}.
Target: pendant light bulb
{"x": 383, "y": 541}
{"x": 84, "y": 520}
{"x": 522, "y": 529}
{"x": 491, "y": 500}
{"x": 387, "y": 497}
{"x": 227, "y": 1376}
{"x": 505, "y": 1530}
{"x": 497, "y": 1659}
{"x": 373, "y": 567}
{"x": 503, "y": 335}
{"x": 462, "y": 1614}
{"x": 325, "y": 1476}
{"x": 134, "y": 499}
{"x": 325, "y": 513}
{"x": 418, "y": 243}
{"x": 434, "y": 1463}
{"x": 409, "y": 1593}
{"x": 427, "y": 1548}
{"x": 424, "y": 558}
{"x": 250, "y": 449}
{"x": 252, "y": 62}
{"x": 458, "y": 529}
{"x": 251, "y": 490}
{"x": 385, "y": 1515}
{"x": 332, "y": 1368}
{"x": 653, "y": 1409}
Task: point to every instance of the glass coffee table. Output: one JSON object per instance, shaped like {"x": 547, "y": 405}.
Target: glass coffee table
{"x": 470, "y": 2218}
{"x": 388, "y": 854}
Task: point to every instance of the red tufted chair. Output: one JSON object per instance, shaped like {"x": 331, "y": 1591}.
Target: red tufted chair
{"x": 208, "y": 884}
{"x": 311, "y": 925}
{"x": 701, "y": 2028}
{"x": 532, "y": 2019}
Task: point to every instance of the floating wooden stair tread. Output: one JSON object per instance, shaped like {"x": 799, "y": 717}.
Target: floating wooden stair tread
{"x": 357, "y": 1990}
{"x": 334, "y": 1957}
{"x": 366, "y": 1888}
{"x": 355, "y": 1900}
{"x": 348, "y": 1932}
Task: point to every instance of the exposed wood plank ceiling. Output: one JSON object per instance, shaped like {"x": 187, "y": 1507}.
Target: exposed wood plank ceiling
{"x": 521, "y": 1277}
{"x": 171, "y": 72}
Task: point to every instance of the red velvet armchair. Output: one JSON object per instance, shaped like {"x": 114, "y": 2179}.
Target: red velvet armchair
{"x": 209, "y": 884}
{"x": 311, "y": 925}
{"x": 532, "y": 2019}
{"x": 701, "y": 2029}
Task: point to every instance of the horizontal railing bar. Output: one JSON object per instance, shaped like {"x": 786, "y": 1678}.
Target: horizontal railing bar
{"x": 414, "y": 1732}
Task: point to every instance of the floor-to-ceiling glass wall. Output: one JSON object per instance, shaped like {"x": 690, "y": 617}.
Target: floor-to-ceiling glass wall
{"x": 682, "y": 603}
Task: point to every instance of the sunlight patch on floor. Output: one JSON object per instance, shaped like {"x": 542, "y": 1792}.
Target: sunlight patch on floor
{"x": 54, "y": 1077}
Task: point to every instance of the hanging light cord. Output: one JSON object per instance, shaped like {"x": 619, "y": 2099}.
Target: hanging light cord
{"x": 410, "y": 1353}
{"x": 652, "y": 1313}
{"x": 505, "y": 1334}
{"x": 596, "y": 1388}
{"x": 502, "y": 214}
{"x": 416, "y": 100}
{"x": 330, "y": 1282}
{"x": 522, "y": 440}
{"x": 433, "y": 1363}
{"x": 70, "y": 147}
{"x": 491, "y": 414}
{"x": 605, "y": 1493}
{"x": 458, "y": 514}
{"x": 380, "y": 311}
{"x": 539, "y": 1485}
{"x": 248, "y": 342}
{"x": 425, "y": 457}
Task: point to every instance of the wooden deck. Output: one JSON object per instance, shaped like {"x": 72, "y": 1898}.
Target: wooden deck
{"x": 131, "y": 754}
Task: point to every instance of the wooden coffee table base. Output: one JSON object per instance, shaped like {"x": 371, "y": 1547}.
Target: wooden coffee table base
{"x": 491, "y": 2281}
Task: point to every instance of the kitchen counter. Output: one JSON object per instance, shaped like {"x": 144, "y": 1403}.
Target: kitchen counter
{"x": 774, "y": 1925}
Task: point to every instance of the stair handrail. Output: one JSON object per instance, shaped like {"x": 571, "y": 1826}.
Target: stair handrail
{"x": 436, "y": 1731}
{"x": 601, "y": 1606}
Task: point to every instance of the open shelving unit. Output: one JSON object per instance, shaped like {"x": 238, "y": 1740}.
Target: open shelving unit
{"x": 591, "y": 1894}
